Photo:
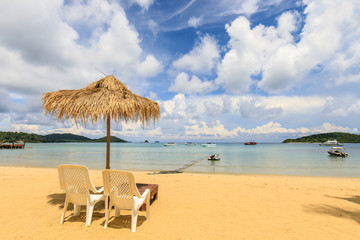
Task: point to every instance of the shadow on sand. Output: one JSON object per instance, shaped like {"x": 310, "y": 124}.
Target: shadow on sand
{"x": 336, "y": 211}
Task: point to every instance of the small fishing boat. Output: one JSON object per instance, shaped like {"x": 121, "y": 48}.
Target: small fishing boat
{"x": 250, "y": 143}
{"x": 190, "y": 144}
{"x": 214, "y": 157}
{"x": 337, "y": 151}
{"x": 208, "y": 145}
{"x": 170, "y": 144}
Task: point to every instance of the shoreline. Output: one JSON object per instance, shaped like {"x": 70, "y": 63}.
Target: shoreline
{"x": 190, "y": 206}
{"x": 150, "y": 172}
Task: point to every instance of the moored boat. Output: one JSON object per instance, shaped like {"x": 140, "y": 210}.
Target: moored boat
{"x": 331, "y": 143}
{"x": 208, "y": 145}
{"x": 214, "y": 157}
{"x": 169, "y": 144}
{"x": 190, "y": 144}
{"x": 250, "y": 143}
{"x": 338, "y": 151}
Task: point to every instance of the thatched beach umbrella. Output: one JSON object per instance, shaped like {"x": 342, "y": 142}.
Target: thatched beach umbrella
{"x": 105, "y": 99}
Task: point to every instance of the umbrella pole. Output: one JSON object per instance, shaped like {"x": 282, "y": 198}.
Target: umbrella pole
{"x": 108, "y": 142}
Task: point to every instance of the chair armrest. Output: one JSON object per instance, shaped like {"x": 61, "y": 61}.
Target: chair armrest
{"x": 101, "y": 190}
{"x": 146, "y": 192}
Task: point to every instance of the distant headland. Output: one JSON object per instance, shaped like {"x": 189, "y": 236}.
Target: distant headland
{"x": 323, "y": 137}
{"x": 51, "y": 138}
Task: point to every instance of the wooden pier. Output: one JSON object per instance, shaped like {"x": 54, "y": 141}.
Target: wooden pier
{"x": 12, "y": 145}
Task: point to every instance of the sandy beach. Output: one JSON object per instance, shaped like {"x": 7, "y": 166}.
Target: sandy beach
{"x": 190, "y": 206}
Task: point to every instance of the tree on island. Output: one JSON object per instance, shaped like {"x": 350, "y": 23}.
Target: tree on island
{"x": 323, "y": 137}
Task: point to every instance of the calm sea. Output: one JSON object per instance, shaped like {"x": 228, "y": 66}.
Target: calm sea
{"x": 264, "y": 158}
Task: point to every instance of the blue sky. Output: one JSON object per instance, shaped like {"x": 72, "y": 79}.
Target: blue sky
{"x": 220, "y": 70}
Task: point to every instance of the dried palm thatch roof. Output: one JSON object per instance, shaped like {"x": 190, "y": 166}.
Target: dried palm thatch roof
{"x": 105, "y": 97}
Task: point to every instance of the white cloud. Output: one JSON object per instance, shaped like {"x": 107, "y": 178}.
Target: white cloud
{"x": 27, "y": 128}
{"x": 45, "y": 39}
{"x": 49, "y": 54}
{"x": 175, "y": 108}
{"x": 328, "y": 127}
{"x": 79, "y": 130}
{"x": 252, "y": 49}
{"x": 280, "y": 61}
{"x": 295, "y": 105}
{"x": 183, "y": 84}
{"x": 202, "y": 58}
{"x": 215, "y": 130}
{"x": 153, "y": 26}
{"x": 144, "y": 4}
{"x": 150, "y": 67}
{"x": 91, "y": 14}
{"x": 346, "y": 106}
{"x": 254, "y": 109}
{"x": 218, "y": 130}
{"x": 244, "y": 7}
{"x": 195, "y": 21}
{"x": 136, "y": 130}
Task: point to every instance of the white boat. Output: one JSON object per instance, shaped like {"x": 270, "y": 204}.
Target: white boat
{"x": 190, "y": 144}
{"x": 338, "y": 151}
{"x": 170, "y": 144}
{"x": 330, "y": 143}
{"x": 214, "y": 157}
{"x": 208, "y": 145}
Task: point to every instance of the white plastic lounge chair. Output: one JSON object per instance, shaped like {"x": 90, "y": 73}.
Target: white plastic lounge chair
{"x": 75, "y": 181}
{"x": 120, "y": 186}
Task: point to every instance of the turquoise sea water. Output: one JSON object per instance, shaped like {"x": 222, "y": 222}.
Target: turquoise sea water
{"x": 264, "y": 158}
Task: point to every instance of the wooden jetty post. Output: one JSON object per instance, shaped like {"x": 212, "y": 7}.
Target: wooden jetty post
{"x": 18, "y": 145}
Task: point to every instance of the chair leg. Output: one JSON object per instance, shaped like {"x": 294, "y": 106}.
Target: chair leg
{"x": 117, "y": 211}
{"x": 148, "y": 207}
{"x": 64, "y": 211}
{"x": 77, "y": 209}
{"x": 89, "y": 212}
{"x": 107, "y": 212}
{"x": 134, "y": 216}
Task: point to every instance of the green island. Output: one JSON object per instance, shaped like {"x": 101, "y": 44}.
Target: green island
{"x": 323, "y": 137}
{"x": 51, "y": 138}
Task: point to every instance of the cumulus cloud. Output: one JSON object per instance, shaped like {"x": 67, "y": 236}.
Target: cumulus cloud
{"x": 92, "y": 15}
{"x": 278, "y": 61}
{"x": 328, "y": 127}
{"x": 27, "y": 128}
{"x": 144, "y": 4}
{"x": 202, "y": 58}
{"x": 150, "y": 67}
{"x": 214, "y": 129}
{"x": 49, "y": 54}
{"x": 131, "y": 129}
{"x": 183, "y": 84}
{"x": 341, "y": 107}
{"x": 217, "y": 129}
{"x": 173, "y": 109}
{"x": 253, "y": 109}
{"x": 195, "y": 21}
{"x": 79, "y": 130}
{"x": 39, "y": 41}
{"x": 251, "y": 49}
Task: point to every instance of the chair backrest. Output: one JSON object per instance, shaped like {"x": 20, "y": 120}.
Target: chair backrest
{"x": 121, "y": 187}
{"x": 76, "y": 182}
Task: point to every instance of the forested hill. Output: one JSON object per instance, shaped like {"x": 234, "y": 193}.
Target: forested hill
{"x": 55, "y": 137}
{"x": 323, "y": 137}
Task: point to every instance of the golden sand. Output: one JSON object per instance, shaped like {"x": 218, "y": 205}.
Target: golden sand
{"x": 190, "y": 206}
